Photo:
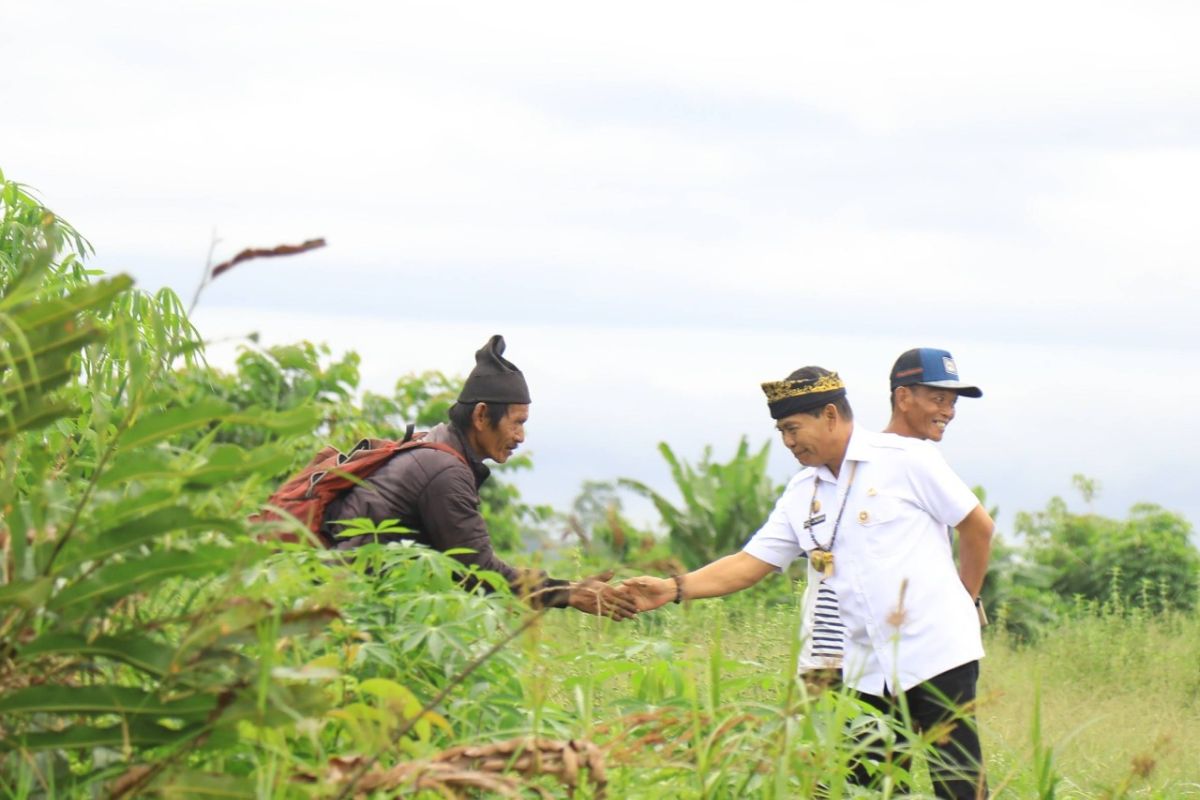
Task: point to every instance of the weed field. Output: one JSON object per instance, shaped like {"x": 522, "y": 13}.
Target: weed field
{"x": 1119, "y": 696}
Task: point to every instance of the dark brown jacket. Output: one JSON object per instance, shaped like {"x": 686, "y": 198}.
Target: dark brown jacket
{"x": 436, "y": 496}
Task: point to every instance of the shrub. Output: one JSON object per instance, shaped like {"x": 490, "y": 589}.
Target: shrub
{"x": 723, "y": 504}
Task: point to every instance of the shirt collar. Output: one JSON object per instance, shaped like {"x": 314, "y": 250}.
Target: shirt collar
{"x": 857, "y": 449}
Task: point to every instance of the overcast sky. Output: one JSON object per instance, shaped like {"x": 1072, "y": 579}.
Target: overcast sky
{"x": 663, "y": 204}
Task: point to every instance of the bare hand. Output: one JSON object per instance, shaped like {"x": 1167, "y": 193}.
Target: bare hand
{"x": 650, "y": 593}
{"x": 595, "y": 596}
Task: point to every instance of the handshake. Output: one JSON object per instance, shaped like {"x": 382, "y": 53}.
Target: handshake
{"x": 621, "y": 601}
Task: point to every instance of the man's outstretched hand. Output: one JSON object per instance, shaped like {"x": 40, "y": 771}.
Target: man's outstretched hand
{"x": 595, "y": 595}
{"x": 650, "y": 593}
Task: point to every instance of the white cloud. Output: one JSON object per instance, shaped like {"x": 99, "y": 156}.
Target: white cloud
{"x": 692, "y": 195}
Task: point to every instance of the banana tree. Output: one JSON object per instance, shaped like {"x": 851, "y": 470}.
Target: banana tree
{"x": 723, "y": 504}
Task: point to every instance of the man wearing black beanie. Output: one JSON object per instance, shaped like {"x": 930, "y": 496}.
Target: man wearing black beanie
{"x": 434, "y": 491}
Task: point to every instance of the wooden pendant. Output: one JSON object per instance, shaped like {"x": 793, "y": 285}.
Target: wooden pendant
{"x": 822, "y": 561}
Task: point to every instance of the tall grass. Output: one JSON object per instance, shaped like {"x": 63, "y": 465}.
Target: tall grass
{"x": 1106, "y": 707}
{"x": 1119, "y": 699}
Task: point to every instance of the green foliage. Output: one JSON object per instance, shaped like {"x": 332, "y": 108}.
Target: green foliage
{"x": 27, "y": 228}
{"x": 1017, "y": 593}
{"x": 45, "y": 306}
{"x": 423, "y": 399}
{"x": 597, "y": 520}
{"x": 150, "y": 646}
{"x": 1060, "y": 558}
{"x": 298, "y": 379}
{"x": 723, "y": 504}
{"x": 98, "y": 553}
{"x": 147, "y": 642}
{"x": 1147, "y": 559}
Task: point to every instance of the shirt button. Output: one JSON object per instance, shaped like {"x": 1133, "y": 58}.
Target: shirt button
{"x": 863, "y": 516}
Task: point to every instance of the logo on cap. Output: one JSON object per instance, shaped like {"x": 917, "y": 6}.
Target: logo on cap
{"x": 948, "y": 363}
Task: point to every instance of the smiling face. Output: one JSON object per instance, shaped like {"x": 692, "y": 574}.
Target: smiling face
{"x": 923, "y": 412}
{"x": 810, "y": 439}
{"x": 498, "y": 441}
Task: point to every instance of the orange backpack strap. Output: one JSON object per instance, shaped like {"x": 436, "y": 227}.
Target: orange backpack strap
{"x": 331, "y": 474}
{"x": 445, "y": 448}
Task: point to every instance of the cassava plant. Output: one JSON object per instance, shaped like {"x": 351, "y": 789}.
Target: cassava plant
{"x": 150, "y": 645}
{"x": 120, "y": 641}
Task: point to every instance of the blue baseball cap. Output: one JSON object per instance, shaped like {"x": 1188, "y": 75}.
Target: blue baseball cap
{"x": 929, "y": 366}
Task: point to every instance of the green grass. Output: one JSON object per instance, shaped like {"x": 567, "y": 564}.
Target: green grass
{"x": 1119, "y": 698}
{"x": 1120, "y": 704}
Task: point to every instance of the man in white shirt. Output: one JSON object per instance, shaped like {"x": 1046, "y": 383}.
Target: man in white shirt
{"x": 925, "y": 388}
{"x": 870, "y": 510}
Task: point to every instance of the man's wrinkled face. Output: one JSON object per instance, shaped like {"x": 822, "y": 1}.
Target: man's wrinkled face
{"x": 498, "y": 443}
{"x": 806, "y": 436}
{"x": 926, "y": 410}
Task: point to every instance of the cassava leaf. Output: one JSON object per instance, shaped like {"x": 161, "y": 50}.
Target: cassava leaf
{"x": 138, "y": 465}
{"x": 229, "y": 462}
{"x": 142, "y": 530}
{"x": 34, "y": 416}
{"x": 140, "y": 574}
{"x": 174, "y": 421}
{"x": 302, "y": 419}
{"x": 141, "y": 733}
{"x": 88, "y": 297}
{"x": 123, "y": 700}
{"x": 26, "y": 594}
{"x": 140, "y": 652}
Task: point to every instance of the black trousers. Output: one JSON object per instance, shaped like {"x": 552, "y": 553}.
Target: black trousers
{"x": 956, "y": 760}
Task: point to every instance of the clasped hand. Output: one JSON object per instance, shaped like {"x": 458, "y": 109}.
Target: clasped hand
{"x": 649, "y": 592}
{"x": 595, "y": 595}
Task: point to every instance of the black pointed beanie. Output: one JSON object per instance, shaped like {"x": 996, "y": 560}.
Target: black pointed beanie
{"x": 495, "y": 379}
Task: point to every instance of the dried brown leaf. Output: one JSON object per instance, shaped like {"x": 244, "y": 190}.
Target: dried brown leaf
{"x": 281, "y": 250}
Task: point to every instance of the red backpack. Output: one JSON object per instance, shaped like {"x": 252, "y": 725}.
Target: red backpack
{"x": 328, "y": 476}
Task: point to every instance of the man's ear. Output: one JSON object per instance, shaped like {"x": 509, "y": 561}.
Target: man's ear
{"x": 904, "y": 395}
{"x": 479, "y": 417}
{"x": 830, "y": 413}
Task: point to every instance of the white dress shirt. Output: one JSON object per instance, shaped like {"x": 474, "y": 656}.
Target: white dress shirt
{"x": 907, "y": 615}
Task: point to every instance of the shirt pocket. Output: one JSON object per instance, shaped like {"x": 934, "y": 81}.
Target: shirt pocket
{"x": 879, "y": 519}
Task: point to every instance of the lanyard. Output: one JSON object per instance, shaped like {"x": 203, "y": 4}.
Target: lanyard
{"x": 822, "y": 557}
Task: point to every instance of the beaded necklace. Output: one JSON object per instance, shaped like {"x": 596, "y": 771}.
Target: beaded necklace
{"x": 822, "y": 557}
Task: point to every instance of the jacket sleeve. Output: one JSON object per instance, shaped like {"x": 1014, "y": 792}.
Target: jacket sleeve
{"x": 450, "y": 517}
